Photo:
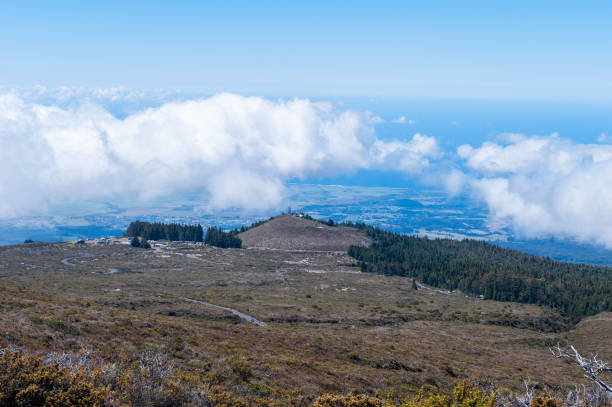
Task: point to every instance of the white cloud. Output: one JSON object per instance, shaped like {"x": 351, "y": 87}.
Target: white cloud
{"x": 410, "y": 156}
{"x": 545, "y": 185}
{"x": 403, "y": 120}
{"x": 454, "y": 181}
{"x": 240, "y": 149}
{"x": 374, "y": 119}
{"x": 76, "y": 94}
{"x": 604, "y": 138}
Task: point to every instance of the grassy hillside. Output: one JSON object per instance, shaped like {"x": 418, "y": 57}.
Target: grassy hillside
{"x": 330, "y": 327}
{"x": 289, "y": 232}
{"x": 130, "y": 317}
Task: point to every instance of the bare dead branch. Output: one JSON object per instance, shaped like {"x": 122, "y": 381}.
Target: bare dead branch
{"x": 592, "y": 366}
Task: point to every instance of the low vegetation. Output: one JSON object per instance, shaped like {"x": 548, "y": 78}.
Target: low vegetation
{"x": 152, "y": 380}
{"x": 463, "y": 395}
{"x": 28, "y": 381}
{"x": 300, "y": 232}
{"x": 129, "y": 327}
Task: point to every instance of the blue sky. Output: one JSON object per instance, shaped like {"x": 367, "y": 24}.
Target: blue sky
{"x": 489, "y": 50}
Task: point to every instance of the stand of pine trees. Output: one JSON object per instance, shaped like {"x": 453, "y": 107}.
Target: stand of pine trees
{"x": 177, "y": 232}
{"x": 165, "y": 231}
{"x": 219, "y": 238}
{"x": 479, "y": 268}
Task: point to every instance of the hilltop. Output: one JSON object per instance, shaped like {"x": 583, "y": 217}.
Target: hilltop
{"x": 292, "y": 232}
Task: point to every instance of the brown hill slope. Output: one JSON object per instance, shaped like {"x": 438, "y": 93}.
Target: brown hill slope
{"x": 329, "y": 326}
{"x": 293, "y": 233}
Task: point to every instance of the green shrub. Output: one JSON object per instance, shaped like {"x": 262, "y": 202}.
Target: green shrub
{"x": 135, "y": 242}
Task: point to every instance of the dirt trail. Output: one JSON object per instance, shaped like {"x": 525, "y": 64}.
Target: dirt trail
{"x": 66, "y": 261}
{"x": 233, "y": 311}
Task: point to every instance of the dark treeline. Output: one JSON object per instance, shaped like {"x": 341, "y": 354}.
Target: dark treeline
{"x": 480, "y": 268}
{"x": 177, "y": 232}
{"x": 219, "y": 238}
{"x": 166, "y": 231}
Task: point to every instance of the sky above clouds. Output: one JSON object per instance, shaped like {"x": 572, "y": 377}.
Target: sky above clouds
{"x": 443, "y": 49}
{"x": 145, "y": 99}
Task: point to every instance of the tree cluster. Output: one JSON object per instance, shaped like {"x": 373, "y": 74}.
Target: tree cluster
{"x": 479, "y": 268}
{"x": 136, "y": 242}
{"x": 167, "y": 231}
{"x": 219, "y": 238}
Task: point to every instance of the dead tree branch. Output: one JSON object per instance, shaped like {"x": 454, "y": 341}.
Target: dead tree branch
{"x": 593, "y": 367}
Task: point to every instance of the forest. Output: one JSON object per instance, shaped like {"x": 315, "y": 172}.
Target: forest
{"x": 165, "y": 231}
{"x": 184, "y": 233}
{"x": 217, "y": 237}
{"x": 479, "y": 268}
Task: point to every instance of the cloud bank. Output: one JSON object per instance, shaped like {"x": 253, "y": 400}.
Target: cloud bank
{"x": 544, "y": 185}
{"x": 239, "y": 149}
{"x": 67, "y": 146}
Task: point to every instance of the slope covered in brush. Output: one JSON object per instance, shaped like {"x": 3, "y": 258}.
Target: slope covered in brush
{"x": 289, "y": 232}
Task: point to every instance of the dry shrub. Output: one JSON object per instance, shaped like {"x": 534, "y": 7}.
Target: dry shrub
{"x": 546, "y": 401}
{"x": 151, "y": 381}
{"x": 67, "y": 380}
{"x": 464, "y": 395}
{"x": 28, "y": 381}
{"x": 351, "y": 400}
{"x": 241, "y": 369}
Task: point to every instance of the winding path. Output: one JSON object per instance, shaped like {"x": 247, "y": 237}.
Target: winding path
{"x": 233, "y": 311}
{"x": 66, "y": 261}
